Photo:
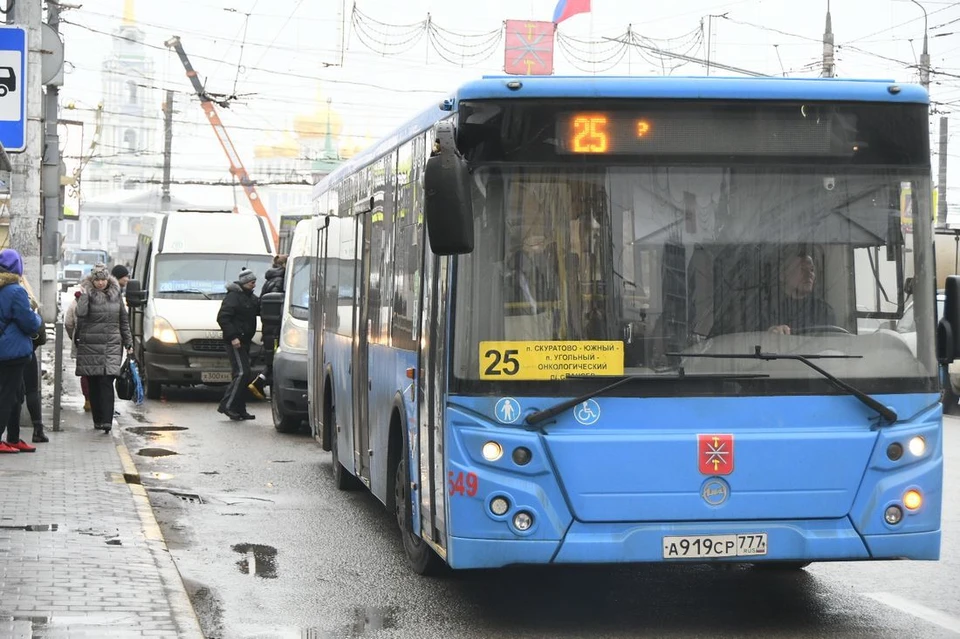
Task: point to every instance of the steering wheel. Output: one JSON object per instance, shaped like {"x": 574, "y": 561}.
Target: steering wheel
{"x": 822, "y": 328}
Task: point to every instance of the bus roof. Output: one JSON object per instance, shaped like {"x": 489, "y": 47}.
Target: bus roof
{"x": 655, "y": 87}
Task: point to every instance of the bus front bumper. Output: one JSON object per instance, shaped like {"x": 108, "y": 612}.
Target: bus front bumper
{"x": 793, "y": 541}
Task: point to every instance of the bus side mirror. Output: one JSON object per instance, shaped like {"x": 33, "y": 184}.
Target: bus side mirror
{"x": 136, "y": 296}
{"x": 948, "y": 328}
{"x": 448, "y": 205}
{"x": 271, "y": 308}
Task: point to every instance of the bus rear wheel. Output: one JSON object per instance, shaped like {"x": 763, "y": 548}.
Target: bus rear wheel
{"x": 420, "y": 556}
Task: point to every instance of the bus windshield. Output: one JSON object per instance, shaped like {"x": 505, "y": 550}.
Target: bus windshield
{"x": 300, "y": 288}
{"x": 644, "y": 264}
{"x": 199, "y": 276}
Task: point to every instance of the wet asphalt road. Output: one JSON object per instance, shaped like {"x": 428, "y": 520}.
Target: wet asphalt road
{"x": 268, "y": 548}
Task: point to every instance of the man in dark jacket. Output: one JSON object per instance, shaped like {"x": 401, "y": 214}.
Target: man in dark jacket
{"x": 238, "y": 321}
{"x": 273, "y": 283}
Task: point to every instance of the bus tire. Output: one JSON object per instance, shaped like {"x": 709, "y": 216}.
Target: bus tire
{"x": 420, "y": 556}
{"x": 342, "y": 478}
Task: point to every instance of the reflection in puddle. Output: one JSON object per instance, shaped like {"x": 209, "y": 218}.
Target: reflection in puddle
{"x": 372, "y": 618}
{"x": 155, "y": 452}
{"x": 258, "y": 560}
{"x": 34, "y": 527}
{"x": 162, "y": 476}
{"x": 145, "y": 430}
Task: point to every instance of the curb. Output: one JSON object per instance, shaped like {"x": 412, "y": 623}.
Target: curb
{"x": 185, "y": 617}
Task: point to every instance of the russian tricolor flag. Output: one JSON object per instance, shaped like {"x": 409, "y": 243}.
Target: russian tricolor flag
{"x": 569, "y": 8}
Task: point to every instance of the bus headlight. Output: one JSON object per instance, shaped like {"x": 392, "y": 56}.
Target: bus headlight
{"x": 163, "y": 331}
{"x": 912, "y": 499}
{"x": 917, "y": 446}
{"x": 492, "y": 451}
{"x": 294, "y": 338}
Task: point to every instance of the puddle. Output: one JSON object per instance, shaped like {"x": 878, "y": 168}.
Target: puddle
{"x": 258, "y": 561}
{"x": 34, "y": 527}
{"x": 146, "y": 430}
{"x": 155, "y": 452}
{"x": 209, "y": 472}
{"x": 161, "y": 476}
{"x": 372, "y": 618}
{"x": 282, "y": 461}
{"x": 140, "y": 417}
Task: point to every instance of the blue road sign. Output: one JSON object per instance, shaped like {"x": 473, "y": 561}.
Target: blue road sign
{"x": 13, "y": 88}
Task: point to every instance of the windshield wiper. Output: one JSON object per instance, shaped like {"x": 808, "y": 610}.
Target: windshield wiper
{"x": 189, "y": 290}
{"x": 541, "y": 415}
{"x": 886, "y": 412}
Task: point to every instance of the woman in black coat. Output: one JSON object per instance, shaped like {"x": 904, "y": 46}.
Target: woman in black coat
{"x": 102, "y": 335}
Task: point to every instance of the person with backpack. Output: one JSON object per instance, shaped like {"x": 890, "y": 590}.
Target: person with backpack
{"x": 274, "y": 282}
{"x": 18, "y": 325}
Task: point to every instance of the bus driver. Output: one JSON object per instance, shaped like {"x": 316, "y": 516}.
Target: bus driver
{"x": 797, "y": 307}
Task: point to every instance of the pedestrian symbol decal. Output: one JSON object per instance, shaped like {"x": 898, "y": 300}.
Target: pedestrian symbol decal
{"x": 508, "y": 410}
{"x": 587, "y": 413}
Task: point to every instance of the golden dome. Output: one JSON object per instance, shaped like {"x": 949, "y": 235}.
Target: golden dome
{"x": 314, "y": 125}
{"x": 285, "y": 147}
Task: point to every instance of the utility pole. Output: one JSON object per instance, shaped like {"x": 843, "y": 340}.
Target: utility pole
{"x": 25, "y": 220}
{"x": 829, "y": 65}
{"x": 50, "y": 180}
{"x": 925, "y": 56}
{"x": 942, "y": 179}
{"x": 167, "y": 148}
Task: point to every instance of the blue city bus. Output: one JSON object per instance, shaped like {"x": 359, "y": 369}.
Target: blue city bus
{"x": 610, "y": 320}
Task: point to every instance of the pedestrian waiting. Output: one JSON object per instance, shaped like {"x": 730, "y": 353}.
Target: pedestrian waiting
{"x": 101, "y": 335}
{"x": 18, "y": 325}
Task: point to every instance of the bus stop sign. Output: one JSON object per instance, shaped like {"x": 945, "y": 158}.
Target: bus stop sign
{"x": 13, "y": 84}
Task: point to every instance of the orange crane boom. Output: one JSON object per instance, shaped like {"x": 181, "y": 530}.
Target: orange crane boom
{"x": 236, "y": 165}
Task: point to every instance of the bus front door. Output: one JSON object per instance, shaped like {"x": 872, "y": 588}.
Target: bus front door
{"x": 361, "y": 373}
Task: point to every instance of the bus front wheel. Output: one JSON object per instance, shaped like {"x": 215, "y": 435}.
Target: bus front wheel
{"x": 420, "y": 556}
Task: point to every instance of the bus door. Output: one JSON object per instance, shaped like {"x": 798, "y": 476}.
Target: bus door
{"x": 432, "y": 383}
{"x": 318, "y": 270}
{"x": 361, "y": 376}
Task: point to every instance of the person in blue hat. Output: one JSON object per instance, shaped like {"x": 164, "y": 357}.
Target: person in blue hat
{"x": 18, "y": 325}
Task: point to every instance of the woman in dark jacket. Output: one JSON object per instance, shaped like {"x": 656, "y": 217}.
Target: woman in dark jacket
{"x": 18, "y": 324}
{"x": 238, "y": 321}
{"x": 101, "y": 335}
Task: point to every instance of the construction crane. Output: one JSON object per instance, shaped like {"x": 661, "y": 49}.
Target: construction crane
{"x": 208, "y": 102}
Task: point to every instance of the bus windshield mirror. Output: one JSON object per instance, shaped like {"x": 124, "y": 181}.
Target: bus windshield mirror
{"x": 885, "y": 411}
{"x": 541, "y": 415}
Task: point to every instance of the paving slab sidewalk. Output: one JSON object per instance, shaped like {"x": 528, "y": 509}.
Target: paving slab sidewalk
{"x": 81, "y": 554}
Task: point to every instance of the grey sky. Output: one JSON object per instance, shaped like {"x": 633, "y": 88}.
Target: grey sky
{"x": 288, "y": 41}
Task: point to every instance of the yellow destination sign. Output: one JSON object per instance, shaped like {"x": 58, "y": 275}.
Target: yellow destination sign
{"x": 530, "y": 361}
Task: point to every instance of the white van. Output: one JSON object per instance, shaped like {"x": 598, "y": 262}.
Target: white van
{"x": 182, "y": 266}
{"x": 288, "y": 394}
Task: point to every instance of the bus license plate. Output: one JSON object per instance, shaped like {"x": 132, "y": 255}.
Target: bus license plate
{"x": 215, "y": 376}
{"x": 709, "y": 546}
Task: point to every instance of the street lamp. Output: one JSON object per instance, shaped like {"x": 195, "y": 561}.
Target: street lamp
{"x": 925, "y": 56}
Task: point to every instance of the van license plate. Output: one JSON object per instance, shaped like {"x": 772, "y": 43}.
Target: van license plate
{"x": 709, "y": 546}
{"x": 215, "y": 376}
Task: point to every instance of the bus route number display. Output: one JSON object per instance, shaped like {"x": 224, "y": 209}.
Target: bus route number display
{"x": 599, "y": 133}
{"x": 539, "y": 361}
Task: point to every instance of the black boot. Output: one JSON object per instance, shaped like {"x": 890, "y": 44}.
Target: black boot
{"x": 38, "y": 435}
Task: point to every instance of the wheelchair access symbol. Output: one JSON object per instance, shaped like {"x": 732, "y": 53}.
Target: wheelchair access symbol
{"x": 587, "y": 413}
{"x": 507, "y": 410}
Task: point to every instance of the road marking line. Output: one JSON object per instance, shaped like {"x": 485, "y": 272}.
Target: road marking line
{"x": 936, "y": 617}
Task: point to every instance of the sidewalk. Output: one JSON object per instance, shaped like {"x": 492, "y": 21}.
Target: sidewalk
{"x": 81, "y": 554}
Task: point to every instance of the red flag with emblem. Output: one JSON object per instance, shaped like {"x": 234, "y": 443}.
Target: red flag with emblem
{"x": 529, "y": 47}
